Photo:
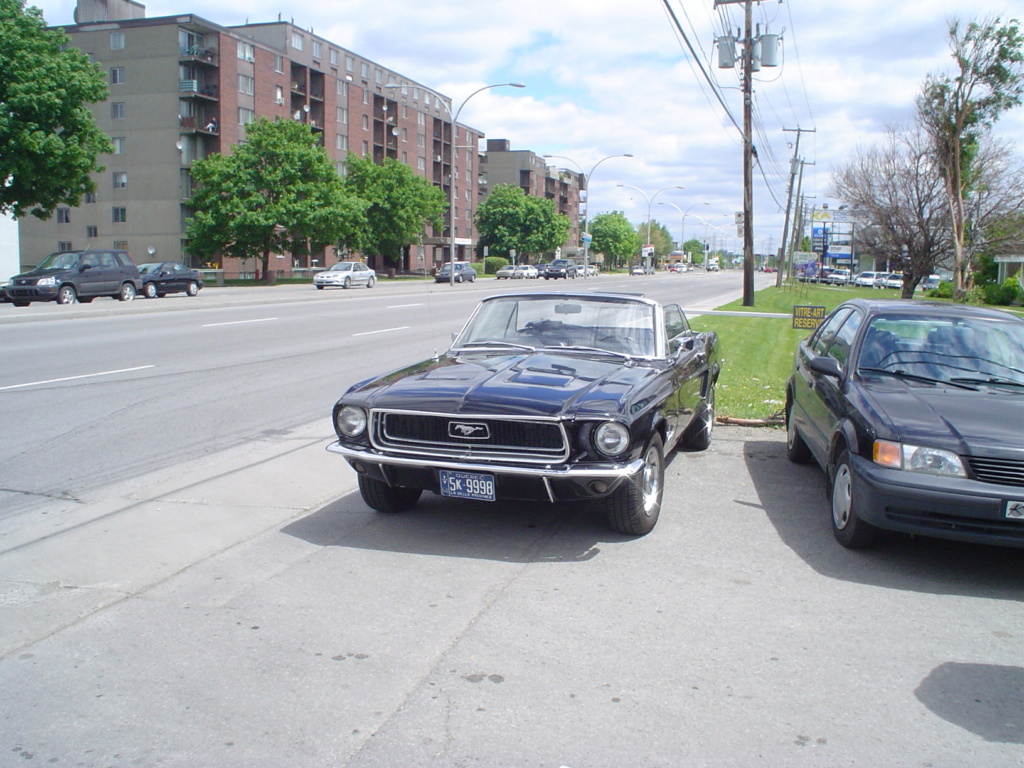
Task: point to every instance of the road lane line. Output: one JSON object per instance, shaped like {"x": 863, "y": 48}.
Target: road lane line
{"x": 382, "y": 330}
{"x": 74, "y": 378}
{"x": 240, "y": 322}
{"x": 404, "y": 306}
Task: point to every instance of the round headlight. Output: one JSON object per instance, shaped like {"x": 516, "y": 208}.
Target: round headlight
{"x": 611, "y": 438}
{"x": 351, "y": 421}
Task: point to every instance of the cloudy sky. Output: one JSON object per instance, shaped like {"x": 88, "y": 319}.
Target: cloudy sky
{"x": 605, "y": 77}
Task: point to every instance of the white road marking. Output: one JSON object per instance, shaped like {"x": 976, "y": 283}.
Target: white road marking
{"x": 382, "y": 330}
{"x": 74, "y": 378}
{"x": 240, "y": 322}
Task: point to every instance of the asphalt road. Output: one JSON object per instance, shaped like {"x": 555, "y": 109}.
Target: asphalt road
{"x": 242, "y": 607}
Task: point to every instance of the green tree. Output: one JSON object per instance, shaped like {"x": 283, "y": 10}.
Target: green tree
{"x": 275, "y": 193}
{"x": 615, "y": 237}
{"x": 49, "y": 141}
{"x": 661, "y": 239}
{"x": 509, "y": 219}
{"x": 957, "y": 111}
{"x": 400, "y": 204}
{"x": 694, "y": 249}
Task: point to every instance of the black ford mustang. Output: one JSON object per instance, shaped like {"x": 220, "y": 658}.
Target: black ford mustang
{"x": 556, "y": 397}
{"x": 916, "y": 412}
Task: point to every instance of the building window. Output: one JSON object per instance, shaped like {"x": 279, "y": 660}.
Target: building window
{"x": 63, "y": 215}
{"x": 298, "y": 41}
{"x": 421, "y": 119}
{"x": 334, "y": 57}
{"x": 119, "y": 214}
{"x": 245, "y": 115}
{"x": 116, "y": 75}
{"x": 364, "y": 70}
{"x": 378, "y": 77}
{"x": 246, "y": 51}
{"x": 121, "y": 245}
{"x": 118, "y": 143}
{"x": 318, "y": 51}
{"x": 92, "y": 231}
{"x": 421, "y": 164}
{"x": 278, "y": 94}
{"x": 120, "y": 179}
{"x": 279, "y": 63}
{"x": 366, "y": 122}
{"x": 350, "y": 63}
{"x": 246, "y": 84}
{"x": 342, "y": 114}
{"x": 117, "y": 41}
{"x": 90, "y": 197}
{"x": 343, "y": 88}
{"x": 405, "y": 135}
{"x": 64, "y": 246}
{"x": 117, "y": 110}
{"x": 366, "y": 148}
{"x": 341, "y": 142}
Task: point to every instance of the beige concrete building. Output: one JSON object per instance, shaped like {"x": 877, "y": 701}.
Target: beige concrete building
{"x": 183, "y": 87}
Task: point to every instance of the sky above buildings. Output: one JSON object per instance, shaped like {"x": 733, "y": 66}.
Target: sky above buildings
{"x": 605, "y": 77}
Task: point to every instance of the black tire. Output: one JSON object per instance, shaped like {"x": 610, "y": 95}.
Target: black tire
{"x": 319, "y": 287}
{"x": 847, "y": 526}
{"x": 698, "y": 432}
{"x": 127, "y": 292}
{"x": 67, "y": 295}
{"x": 382, "y": 497}
{"x": 21, "y": 303}
{"x": 634, "y": 507}
{"x": 85, "y": 299}
{"x": 796, "y": 448}
{"x": 149, "y": 290}
{"x": 370, "y": 282}
{"x": 347, "y": 283}
{"x": 193, "y": 288}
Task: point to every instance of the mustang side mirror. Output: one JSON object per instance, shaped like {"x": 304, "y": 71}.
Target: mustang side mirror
{"x": 827, "y": 366}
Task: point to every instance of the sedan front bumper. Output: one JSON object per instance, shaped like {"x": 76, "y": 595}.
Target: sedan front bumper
{"x": 552, "y": 482}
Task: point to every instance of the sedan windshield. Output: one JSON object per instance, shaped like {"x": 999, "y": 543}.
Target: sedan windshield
{"x": 342, "y": 266}
{"x": 611, "y": 323}
{"x": 966, "y": 350}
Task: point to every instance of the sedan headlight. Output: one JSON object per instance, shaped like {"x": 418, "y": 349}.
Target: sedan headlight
{"x": 611, "y": 438}
{"x": 917, "y": 458}
{"x": 351, "y": 421}
{"x": 51, "y": 280}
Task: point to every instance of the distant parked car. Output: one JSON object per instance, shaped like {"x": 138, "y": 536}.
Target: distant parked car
{"x": 464, "y": 273}
{"x": 914, "y": 411}
{"x": 838, "y": 277}
{"x": 560, "y": 268}
{"x": 527, "y": 271}
{"x": 676, "y": 267}
{"x": 590, "y": 270}
{"x": 893, "y": 280}
{"x": 930, "y": 283}
{"x": 70, "y": 276}
{"x": 162, "y": 277}
{"x": 345, "y": 274}
{"x": 506, "y": 273}
{"x": 866, "y": 279}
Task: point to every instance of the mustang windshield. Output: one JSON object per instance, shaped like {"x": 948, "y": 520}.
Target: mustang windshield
{"x": 943, "y": 349}
{"x": 611, "y": 323}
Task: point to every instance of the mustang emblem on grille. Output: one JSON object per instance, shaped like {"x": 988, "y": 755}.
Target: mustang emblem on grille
{"x": 470, "y": 430}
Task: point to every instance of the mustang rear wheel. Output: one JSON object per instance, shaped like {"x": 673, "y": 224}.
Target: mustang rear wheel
{"x": 635, "y": 506}
{"x": 387, "y": 498}
{"x": 849, "y": 529}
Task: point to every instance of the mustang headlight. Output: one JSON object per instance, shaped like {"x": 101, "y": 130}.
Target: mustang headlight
{"x": 917, "y": 458}
{"x": 351, "y": 421}
{"x": 611, "y": 438}
{"x": 51, "y": 280}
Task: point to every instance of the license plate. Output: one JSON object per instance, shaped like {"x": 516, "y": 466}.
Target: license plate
{"x": 1014, "y": 509}
{"x": 467, "y": 485}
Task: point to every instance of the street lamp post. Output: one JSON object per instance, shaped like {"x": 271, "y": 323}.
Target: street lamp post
{"x": 586, "y": 186}
{"x": 650, "y": 200}
{"x": 451, "y": 163}
{"x": 682, "y": 228}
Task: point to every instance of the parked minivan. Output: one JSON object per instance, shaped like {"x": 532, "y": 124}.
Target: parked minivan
{"x": 70, "y": 276}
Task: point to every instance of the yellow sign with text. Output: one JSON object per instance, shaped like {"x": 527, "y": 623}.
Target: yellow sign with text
{"x": 807, "y": 316}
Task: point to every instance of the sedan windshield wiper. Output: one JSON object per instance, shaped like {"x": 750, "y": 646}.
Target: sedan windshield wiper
{"x": 915, "y": 377}
{"x": 989, "y": 380}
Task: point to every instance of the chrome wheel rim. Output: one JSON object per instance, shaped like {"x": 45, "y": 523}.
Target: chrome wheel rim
{"x": 842, "y": 497}
{"x": 650, "y": 483}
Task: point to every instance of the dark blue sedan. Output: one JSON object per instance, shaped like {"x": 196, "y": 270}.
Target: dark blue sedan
{"x": 915, "y": 410}
{"x": 162, "y": 277}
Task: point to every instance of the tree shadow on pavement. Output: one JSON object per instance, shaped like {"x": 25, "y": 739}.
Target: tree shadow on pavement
{"x": 793, "y": 497}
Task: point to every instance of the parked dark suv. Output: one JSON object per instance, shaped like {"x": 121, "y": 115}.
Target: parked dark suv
{"x": 560, "y": 268}
{"x": 72, "y": 276}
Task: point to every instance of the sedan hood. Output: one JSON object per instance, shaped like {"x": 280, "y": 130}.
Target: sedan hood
{"x": 975, "y": 422}
{"x": 532, "y": 384}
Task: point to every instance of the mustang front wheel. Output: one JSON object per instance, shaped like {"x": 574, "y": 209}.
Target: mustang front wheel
{"x": 635, "y": 506}
{"x": 387, "y": 498}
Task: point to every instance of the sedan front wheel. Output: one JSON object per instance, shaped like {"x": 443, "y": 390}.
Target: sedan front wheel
{"x": 847, "y": 526}
{"x": 636, "y": 504}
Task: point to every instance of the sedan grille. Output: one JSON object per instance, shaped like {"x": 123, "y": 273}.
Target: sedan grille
{"x": 998, "y": 471}
{"x": 530, "y": 440}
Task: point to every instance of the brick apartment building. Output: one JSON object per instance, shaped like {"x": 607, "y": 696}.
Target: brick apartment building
{"x": 182, "y": 87}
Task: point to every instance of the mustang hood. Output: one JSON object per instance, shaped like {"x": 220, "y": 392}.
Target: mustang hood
{"x": 975, "y": 422}
{"x": 534, "y": 384}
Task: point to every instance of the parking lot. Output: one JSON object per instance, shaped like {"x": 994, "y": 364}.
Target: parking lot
{"x": 259, "y": 614}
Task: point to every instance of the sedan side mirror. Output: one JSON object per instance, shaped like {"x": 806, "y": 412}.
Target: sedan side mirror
{"x": 827, "y": 366}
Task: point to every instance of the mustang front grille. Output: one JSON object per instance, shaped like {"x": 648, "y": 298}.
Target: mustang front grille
{"x": 999, "y": 471}
{"x": 502, "y": 438}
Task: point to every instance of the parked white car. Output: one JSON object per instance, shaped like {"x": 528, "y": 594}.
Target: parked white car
{"x": 591, "y": 271}
{"x": 527, "y": 271}
{"x": 345, "y": 274}
{"x": 866, "y": 279}
{"x": 838, "y": 277}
